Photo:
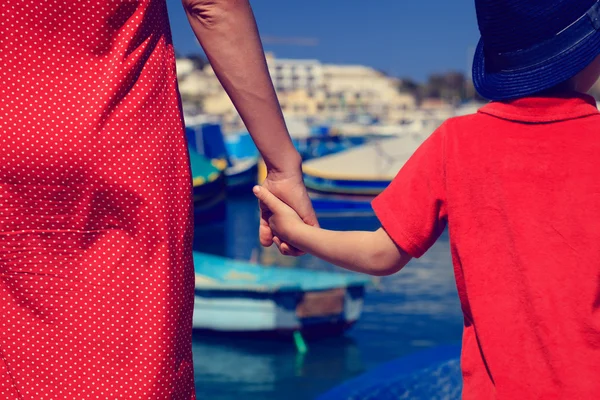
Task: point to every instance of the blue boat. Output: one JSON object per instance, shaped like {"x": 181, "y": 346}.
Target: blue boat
{"x": 238, "y": 297}
{"x": 323, "y": 145}
{"x": 336, "y": 205}
{"x": 243, "y": 156}
{"x": 208, "y": 190}
{"x": 365, "y": 170}
{"x": 240, "y": 145}
{"x": 240, "y": 170}
{"x": 431, "y": 374}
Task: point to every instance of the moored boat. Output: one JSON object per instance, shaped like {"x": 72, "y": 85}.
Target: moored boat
{"x": 208, "y": 190}
{"x": 239, "y": 297}
{"x": 365, "y": 170}
{"x": 341, "y": 205}
{"x": 240, "y": 170}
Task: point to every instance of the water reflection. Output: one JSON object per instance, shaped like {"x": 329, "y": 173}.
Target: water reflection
{"x": 270, "y": 369}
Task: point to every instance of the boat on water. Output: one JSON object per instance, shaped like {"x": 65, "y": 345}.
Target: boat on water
{"x": 240, "y": 171}
{"x": 365, "y": 170}
{"x": 208, "y": 189}
{"x": 239, "y": 297}
{"x": 430, "y": 374}
{"x": 320, "y": 146}
{"x": 341, "y": 205}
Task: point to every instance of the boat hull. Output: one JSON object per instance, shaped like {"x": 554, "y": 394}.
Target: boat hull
{"x": 341, "y": 205}
{"x": 327, "y": 185}
{"x": 242, "y": 176}
{"x": 319, "y": 146}
{"x": 210, "y": 201}
{"x": 277, "y": 313}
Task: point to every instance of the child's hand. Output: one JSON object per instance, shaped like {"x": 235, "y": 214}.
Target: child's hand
{"x": 282, "y": 219}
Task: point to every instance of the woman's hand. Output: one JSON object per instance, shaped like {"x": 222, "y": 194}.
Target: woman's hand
{"x": 289, "y": 190}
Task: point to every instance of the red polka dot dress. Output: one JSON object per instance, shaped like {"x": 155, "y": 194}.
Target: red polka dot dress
{"x": 96, "y": 275}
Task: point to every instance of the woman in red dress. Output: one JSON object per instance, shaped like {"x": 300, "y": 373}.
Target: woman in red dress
{"x": 96, "y": 275}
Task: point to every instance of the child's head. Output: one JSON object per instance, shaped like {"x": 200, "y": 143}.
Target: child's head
{"x": 530, "y": 46}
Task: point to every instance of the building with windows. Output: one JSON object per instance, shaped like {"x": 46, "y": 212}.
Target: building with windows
{"x": 291, "y": 75}
{"x": 308, "y": 88}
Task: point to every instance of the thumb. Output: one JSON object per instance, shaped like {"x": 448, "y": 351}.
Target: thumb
{"x": 268, "y": 199}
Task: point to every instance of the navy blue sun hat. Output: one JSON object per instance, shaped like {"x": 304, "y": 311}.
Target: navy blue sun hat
{"x": 528, "y": 46}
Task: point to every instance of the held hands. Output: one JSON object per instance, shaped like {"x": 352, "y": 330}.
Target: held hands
{"x": 280, "y": 219}
{"x": 289, "y": 189}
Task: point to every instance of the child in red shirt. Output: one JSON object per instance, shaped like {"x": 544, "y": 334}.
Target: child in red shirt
{"x": 518, "y": 185}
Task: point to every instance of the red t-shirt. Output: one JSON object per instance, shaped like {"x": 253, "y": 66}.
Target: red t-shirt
{"x": 518, "y": 184}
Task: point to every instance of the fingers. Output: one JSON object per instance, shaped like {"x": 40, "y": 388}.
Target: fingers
{"x": 310, "y": 217}
{"x": 286, "y": 249}
{"x": 289, "y": 250}
{"x": 267, "y": 198}
{"x": 303, "y": 206}
{"x": 265, "y": 234}
{"x": 269, "y": 203}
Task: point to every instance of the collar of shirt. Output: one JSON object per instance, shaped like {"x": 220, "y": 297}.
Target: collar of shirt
{"x": 543, "y": 109}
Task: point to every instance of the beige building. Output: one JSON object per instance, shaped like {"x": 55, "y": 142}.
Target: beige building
{"x": 196, "y": 83}
{"x": 361, "y": 89}
{"x": 307, "y": 88}
{"x": 302, "y": 103}
{"x": 346, "y": 90}
{"x": 290, "y": 75}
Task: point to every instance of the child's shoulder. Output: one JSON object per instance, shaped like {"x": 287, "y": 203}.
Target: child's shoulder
{"x": 462, "y": 125}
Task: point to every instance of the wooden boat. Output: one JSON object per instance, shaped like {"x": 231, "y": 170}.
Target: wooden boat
{"x": 320, "y": 146}
{"x": 240, "y": 171}
{"x": 242, "y": 174}
{"x": 340, "y": 205}
{"x": 208, "y": 190}
{"x": 365, "y": 170}
{"x": 237, "y": 297}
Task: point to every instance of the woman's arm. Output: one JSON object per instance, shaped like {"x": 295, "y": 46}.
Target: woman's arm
{"x": 227, "y": 31}
{"x": 372, "y": 253}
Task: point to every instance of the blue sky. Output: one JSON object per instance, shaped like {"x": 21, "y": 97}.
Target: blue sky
{"x": 405, "y": 38}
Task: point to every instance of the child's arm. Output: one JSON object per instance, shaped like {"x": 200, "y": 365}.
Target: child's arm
{"x": 371, "y": 253}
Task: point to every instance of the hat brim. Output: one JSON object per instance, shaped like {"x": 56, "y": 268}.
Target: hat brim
{"x": 505, "y": 85}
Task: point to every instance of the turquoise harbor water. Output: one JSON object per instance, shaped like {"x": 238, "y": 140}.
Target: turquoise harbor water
{"x": 415, "y": 309}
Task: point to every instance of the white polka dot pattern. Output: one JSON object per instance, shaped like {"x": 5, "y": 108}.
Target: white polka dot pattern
{"x": 96, "y": 275}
